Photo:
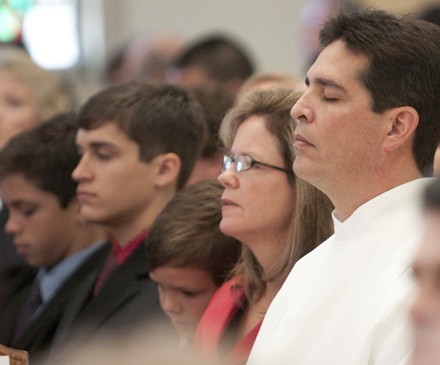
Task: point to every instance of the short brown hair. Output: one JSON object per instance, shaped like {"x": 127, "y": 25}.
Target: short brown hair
{"x": 187, "y": 233}
{"x": 160, "y": 118}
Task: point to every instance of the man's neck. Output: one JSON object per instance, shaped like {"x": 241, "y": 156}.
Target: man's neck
{"x": 87, "y": 234}
{"x": 124, "y": 231}
{"x": 348, "y": 203}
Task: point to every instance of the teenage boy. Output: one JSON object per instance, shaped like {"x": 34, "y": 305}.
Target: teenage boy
{"x": 36, "y": 186}
{"x": 138, "y": 144}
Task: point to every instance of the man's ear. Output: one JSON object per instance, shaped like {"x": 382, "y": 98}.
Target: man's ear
{"x": 403, "y": 123}
{"x": 168, "y": 167}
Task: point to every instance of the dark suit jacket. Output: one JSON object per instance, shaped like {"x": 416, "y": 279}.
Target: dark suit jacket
{"x": 37, "y": 337}
{"x": 9, "y": 258}
{"x": 14, "y": 272}
{"x": 127, "y": 302}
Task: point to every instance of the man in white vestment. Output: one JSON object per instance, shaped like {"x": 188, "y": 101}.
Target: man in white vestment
{"x": 368, "y": 127}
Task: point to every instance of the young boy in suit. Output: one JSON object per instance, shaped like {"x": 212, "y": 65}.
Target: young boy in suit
{"x": 36, "y": 186}
{"x": 138, "y": 144}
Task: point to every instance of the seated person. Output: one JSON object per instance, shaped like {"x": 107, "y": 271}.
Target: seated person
{"x": 189, "y": 256}
{"x": 36, "y": 186}
{"x": 138, "y": 143}
{"x": 212, "y": 59}
{"x": 425, "y": 311}
{"x": 277, "y": 216}
{"x": 215, "y": 101}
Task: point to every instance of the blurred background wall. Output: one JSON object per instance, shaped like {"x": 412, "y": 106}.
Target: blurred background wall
{"x": 273, "y": 31}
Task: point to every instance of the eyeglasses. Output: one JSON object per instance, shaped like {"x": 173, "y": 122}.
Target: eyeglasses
{"x": 244, "y": 163}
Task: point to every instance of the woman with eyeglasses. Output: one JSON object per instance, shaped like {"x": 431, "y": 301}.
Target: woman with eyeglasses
{"x": 277, "y": 217}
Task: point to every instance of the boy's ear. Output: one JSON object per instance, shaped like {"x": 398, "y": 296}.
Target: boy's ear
{"x": 168, "y": 169}
{"x": 403, "y": 124}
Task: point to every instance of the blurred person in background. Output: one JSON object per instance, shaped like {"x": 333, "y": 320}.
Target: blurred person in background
{"x": 214, "y": 58}
{"x": 425, "y": 311}
{"x": 261, "y": 80}
{"x": 215, "y": 101}
{"x": 144, "y": 57}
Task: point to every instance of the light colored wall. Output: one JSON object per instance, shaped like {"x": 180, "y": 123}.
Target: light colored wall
{"x": 269, "y": 28}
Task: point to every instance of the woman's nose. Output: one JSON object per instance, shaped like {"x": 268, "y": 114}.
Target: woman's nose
{"x": 228, "y": 178}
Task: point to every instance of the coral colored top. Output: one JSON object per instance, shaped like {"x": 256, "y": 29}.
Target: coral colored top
{"x": 222, "y": 309}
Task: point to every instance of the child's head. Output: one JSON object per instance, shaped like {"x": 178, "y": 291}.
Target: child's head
{"x": 36, "y": 186}
{"x": 189, "y": 256}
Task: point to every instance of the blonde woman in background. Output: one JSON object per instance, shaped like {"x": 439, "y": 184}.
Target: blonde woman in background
{"x": 28, "y": 93}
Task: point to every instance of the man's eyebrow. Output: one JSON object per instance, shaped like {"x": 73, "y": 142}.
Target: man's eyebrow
{"x": 22, "y": 203}
{"x": 97, "y": 145}
{"x": 327, "y": 82}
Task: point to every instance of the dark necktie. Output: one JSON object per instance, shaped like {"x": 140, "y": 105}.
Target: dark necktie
{"x": 109, "y": 266}
{"x": 27, "y": 313}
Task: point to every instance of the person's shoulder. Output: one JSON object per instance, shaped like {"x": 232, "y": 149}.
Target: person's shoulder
{"x": 317, "y": 253}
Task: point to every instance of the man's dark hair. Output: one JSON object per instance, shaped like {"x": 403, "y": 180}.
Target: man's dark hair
{"x": 215, "y": 101}
{"x": 160, "y": 118}
{"x": 222, "y": 57}
{"x": 403, "y": 69}
{"x": 46, "y": 156}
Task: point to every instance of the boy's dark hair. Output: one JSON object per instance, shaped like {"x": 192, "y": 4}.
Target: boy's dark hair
{"x": 187, "y": 233}
{"x": 403, "y": 69}
{"x": 160, "y": 118}
{"x": 46, "y": 155}
{"x": 220, "y": 56}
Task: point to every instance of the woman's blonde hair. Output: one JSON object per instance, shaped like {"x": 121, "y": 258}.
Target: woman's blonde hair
{"x": 45, "y": 85}
{"x": 311, "y": 216}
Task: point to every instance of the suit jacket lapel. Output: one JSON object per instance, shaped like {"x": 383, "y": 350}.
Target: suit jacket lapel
{"x": 44, "y": 326}
{"x": 124, "y": 283}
